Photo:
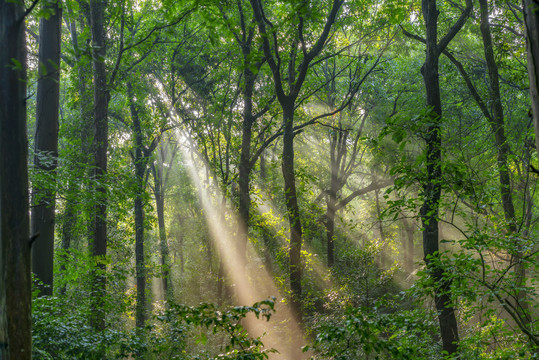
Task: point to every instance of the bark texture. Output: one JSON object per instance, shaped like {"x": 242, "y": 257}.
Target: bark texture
{"x": 15, "y": 289}
{"x": 140, "y": 167}
{"x": 100, "y": 145}
{"x": 46, "y": 146}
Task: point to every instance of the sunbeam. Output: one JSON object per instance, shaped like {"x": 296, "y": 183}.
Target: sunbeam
{"x": 250, "y": 287}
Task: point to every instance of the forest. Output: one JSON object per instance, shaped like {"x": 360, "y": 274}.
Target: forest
{"x": 269, "y": 179}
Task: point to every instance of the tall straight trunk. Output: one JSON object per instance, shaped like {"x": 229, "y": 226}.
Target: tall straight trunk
{"x": 531, "y": 20}
{"x": 384, "y": 258}
{"x": 432, "y": 188}
{"x": 100, "y": 145}
{"x": 245, "y": 164}
{"x": 46, "y": 145}
{"x": 330, "y": 228}
{"x": 332, "y": 198}
{"x": 243, "y": 189}
{"x": 140, "y": 165}
{"x": 291, "y": 199}
{"x": 15, "y": 277}
{"x": 163, "y": 244}
{"x": 85, "y": 110}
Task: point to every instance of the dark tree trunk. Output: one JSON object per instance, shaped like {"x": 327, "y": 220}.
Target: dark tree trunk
{"x": 245, "y": 161}
{"x": 100, "y": 145}
{"x": 140, "y": 166}
{"x": 291, "y": 199}
{"x": 531, "y": 19}
{"x": 497, "y": 120}
{"x": 497, "y": 123}
{"x": 432, "y": 184}
{"x": 15, "y": 277}
{"x": 46, "y": 145}
{"x": 297, "y": 74}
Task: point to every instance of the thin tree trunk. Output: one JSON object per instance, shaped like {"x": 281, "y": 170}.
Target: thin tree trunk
{"x": 384, "y": 258}
{"x": 15, "y": 259}
{"x": 46, "y": 146}
{"x": 140, "y": 165}
{"x": 85, "y": 111}
{"x": 100, "y": 145}
{"x": 163, "y": 244}
{"x": 332, "y": 199}
{"x": 432, "y": 185}
{"x": 498, "y": 127}
{"x": 497, "y": 120}
{"x": 296, "y": 234}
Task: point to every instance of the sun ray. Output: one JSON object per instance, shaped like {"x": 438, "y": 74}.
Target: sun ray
{"x": 249, "y": 288}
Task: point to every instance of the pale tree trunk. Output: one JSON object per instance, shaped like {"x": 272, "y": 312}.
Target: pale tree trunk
{"x": 15, "y": 278}
{"x": 157, "y": 171}
{"x": 46, "y": 145}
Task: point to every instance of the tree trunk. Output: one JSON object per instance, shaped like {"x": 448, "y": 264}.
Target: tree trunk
{"x": 46, "y": 146}
{"x": 332, "y": 199}
{"x": 163, "y": 244}
{"x": 100, "y": 145}
{"x": 432, "y": 185}
{"x": 245, "y": 166}
{"x": 497, "y": 120}
{"x": 83, "y": 73}
{"x": 140, "y": 165}
{"x": 531, "y": 19}
{"x": 15, "y": 277}
{"x": 330, "y": 229}
{"x": 296, "y": 236}
{"x": 498, "y": 127}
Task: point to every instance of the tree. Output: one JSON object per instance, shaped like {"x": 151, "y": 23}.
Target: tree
{"x": 141, "y": 158}
{"x": 160, "y": 177}
{"x": 299, "y": 64}
{"x": 46, "y": 145}
{"x": 100, "y": 145}
{"x": 15, "y": 277}
{"x": 432, "y": 185}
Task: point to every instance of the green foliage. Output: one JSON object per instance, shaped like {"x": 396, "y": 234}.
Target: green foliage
{"x": 61, "y": 330}
{"x": 379, "y": 330}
